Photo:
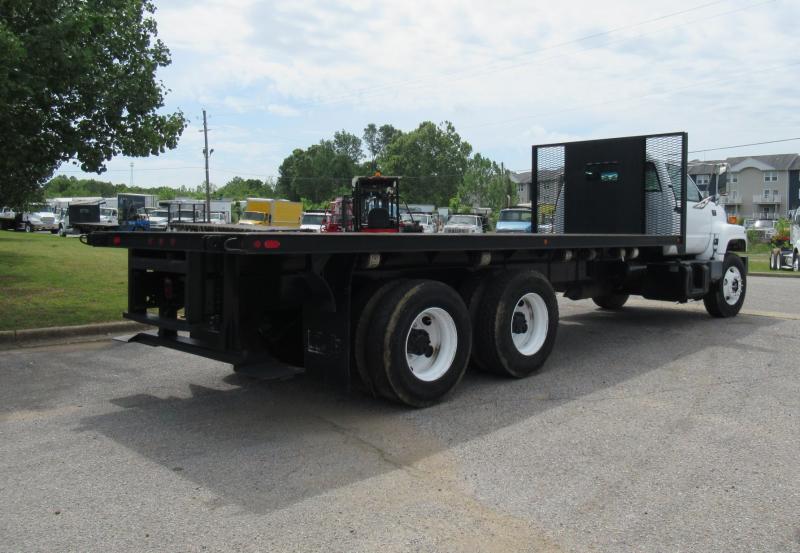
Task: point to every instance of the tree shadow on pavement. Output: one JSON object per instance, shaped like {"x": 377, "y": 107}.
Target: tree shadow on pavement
{"x": 264, "y": 446}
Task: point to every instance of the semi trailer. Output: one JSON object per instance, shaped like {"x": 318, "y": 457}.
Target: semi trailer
{"x": 402, "y": 315}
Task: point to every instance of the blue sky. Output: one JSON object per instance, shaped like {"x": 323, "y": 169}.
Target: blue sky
{"x": 275, "y": 76}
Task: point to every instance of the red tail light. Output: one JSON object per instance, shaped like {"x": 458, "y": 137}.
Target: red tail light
{"x": 116, "y": 240}
{"x": 272, "y": 244}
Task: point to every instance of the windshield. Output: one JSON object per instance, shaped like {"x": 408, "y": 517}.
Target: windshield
{"x": 516, "y": 215}
{"x": 463, "y": 220}
{"x": 764, "y": 224}
{"x": 252, "y": 216}
{"x": 40, "y": 208}
{"x": 313, "y": 218}
{"x": 159, "y": 213}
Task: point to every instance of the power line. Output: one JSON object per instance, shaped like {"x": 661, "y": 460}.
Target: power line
{"x": 744, "y": 145}
{"x": 394, "y": 85}
{"x": 727, "y": 78}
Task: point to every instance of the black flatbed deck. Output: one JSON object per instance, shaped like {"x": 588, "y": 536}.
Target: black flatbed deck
{"x": 276, "y": 243}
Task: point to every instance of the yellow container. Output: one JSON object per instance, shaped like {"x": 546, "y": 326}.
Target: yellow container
{"x": 272, "y": 213}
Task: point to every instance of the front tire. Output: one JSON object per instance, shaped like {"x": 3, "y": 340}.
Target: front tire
{"x": 612, "y": 302}
{"x": 28, "y": 227}
{"x": 726, "y": 296}
{"x": 418, "y": 342}
{"x": 517, "y": 323}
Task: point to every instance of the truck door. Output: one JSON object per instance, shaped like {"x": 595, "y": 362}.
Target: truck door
{"x": 698, "y": 219}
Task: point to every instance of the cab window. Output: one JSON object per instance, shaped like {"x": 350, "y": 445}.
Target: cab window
{"x": 651, "y": 182}
{"x": 692, "y": 193}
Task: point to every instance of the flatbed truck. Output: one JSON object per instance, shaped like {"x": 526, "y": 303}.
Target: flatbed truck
{"x": 401, "y": 316}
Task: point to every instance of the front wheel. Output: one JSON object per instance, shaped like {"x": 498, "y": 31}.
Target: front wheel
{"x": 795, "y": 262}
{"x": 28, "y": 227}
{"x": 726, "y": 296}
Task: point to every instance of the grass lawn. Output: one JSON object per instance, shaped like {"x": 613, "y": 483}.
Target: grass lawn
{"x": 47, "y": 280}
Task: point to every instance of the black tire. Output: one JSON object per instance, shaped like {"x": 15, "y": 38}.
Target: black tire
{"x": 716, "y": 303}
{"x": 471, "y": 291}
{"x": 494, "y": 337}
{"x": 773, "y": 262}
{"x": 362, "y": 308}
{"x": 612, "y": 301}
{"x": 795, "y": 262}
{"x": 54, "y": 231}
{"x": 386, "y": 342}
{"x": 28, "y": 227}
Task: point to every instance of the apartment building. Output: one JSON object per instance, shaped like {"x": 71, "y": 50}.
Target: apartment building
{"x": 757, "y": 187}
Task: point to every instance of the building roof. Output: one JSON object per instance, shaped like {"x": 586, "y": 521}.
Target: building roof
{"x": 778, "y": 162}
{"x": 522, "y": 177}
{"x": 697, "y": 167}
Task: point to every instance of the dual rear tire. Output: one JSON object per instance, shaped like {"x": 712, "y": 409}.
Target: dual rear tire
{"x": 414, "y": 339}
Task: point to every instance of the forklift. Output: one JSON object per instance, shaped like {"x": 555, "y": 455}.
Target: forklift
{"x": 373, "y": 206}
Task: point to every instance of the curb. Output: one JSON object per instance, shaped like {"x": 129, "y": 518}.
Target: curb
{"x": 775, "y": 274}
{"x": 20, "y": 338}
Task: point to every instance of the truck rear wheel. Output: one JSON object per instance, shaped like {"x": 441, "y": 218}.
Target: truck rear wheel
{"x": 726, "y": 296}
{"x": 418, "y": 342}
{"x": 518, "y": 323}
{"x": 363, "y": 306}
{"x": 611, "y": 302}
{"x": 471, "y": 291}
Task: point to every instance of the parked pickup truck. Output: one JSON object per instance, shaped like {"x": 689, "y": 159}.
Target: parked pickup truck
{"x": 402, "y": 315}
{"x": 38, "y": 217}
{"x": 464, "y": 224}
{"x": 515, "y": 219}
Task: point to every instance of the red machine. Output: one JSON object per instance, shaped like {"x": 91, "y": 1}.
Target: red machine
{"x": 373, "y": 206}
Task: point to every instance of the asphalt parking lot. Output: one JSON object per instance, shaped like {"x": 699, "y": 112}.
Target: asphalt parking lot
{"x": 654, "y": 429}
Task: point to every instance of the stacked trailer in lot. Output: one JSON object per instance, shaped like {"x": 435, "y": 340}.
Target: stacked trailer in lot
{"x": 401, "y": 315}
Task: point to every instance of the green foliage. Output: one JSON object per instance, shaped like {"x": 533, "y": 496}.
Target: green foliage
{"x": 753, "y": 236}
{"x": 485, "y": 184}
{"x": 377, "y": 140}
{"x": 240, "y": 189}
{"x": 78, "y": 83}
{"x": 782, "y": 234}
{"x": 432, "y": 158}
{"x": 436, "y": 164}
{"x": 320, "y": 172}
{"x": 62, "y": 186}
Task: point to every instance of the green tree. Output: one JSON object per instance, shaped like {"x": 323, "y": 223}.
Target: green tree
{"x": 317, "y": 174}
{"x": 239, "y": 189}
{"x": 349, "y": 145}
{"x": 376, "y": 140}
{"x": 433, "y": 159}
{"x": 485, "y": 184}
{"x": 78, "y": 83}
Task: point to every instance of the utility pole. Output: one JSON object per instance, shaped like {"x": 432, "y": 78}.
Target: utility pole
{"x": 131, "y": 183}
{"x": 206, "y": 153}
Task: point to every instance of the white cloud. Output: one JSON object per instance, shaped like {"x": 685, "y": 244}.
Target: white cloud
{"x": 507, "y": 73}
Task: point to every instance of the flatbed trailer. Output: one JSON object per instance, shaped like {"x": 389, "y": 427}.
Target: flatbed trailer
{"x": 402, "y": 315}
{"x": 200, "y": 226}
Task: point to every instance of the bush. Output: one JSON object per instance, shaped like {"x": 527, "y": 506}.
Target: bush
{"x": 754, "y": 237}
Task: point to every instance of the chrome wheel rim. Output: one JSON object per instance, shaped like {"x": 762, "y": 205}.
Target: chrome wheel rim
{"x": 431, "y": 344}
{"x": 732, "y": 285}
{"x": 529, "y": 323}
